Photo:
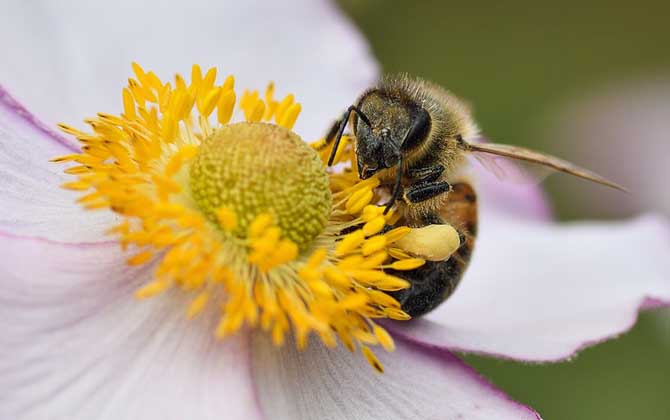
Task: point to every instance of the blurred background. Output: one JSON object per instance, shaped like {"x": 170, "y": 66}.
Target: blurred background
{"x": 590, "y": 83}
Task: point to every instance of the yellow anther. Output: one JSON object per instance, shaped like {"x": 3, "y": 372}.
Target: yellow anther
{"x": 209, "y": 102}
{"x": 140, "y": 258}
{"x": 197, "y": 305}
{"x": 372, "y": 359}
{"x": 225, "y": 106}
{"x": 151, "y": 289}
{"x": 128, "y": 105}
{"x": 384, "y": 338}
{"x": 358, "y": 200}
{"x": 396, "y": 234}
{"x": 290, "y": 116}
{"x": 374, "y": 226}
{"x": 316, "y": 258}
{"x": 352, "y": 261}
{"x": 283, "y": 106}
{"x": 371, "y": 212}
{"x": 260, "y": 224}
{"x": 255, "y": 112}
{"x": 375, "y": 260}
{"x": 398, "y": 253}
{"x": 374, "y": 244}
{"x": 229, "y": 83}
{"x": 397, "y": 314}
{"x": 354, "y": 301}
{"x": 408, "y": 264}
{"x": 76, "y": 185}
{"x": 227, "y": 219}
{"x": 337, "y": 277}
{"x": 350, "y": 242}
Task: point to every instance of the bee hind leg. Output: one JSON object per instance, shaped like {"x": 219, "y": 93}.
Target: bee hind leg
{"x": 432, "y": 283}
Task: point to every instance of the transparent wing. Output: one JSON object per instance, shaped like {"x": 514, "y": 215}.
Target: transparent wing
{"x": 519, "y": 164}
{"x": 510, "y": 170}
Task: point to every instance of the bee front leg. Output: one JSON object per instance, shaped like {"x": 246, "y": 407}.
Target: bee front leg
{"x": 426, "y": 174}
{"x": 426, "y": 190}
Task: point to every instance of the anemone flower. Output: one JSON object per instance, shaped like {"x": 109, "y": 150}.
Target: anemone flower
{"x": 76, "y": 343}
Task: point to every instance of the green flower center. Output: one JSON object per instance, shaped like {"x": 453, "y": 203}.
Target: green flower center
{"x": 255, "y": 168}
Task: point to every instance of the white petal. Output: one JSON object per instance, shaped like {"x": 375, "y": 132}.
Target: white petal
{"x": 418, "y": 383}
{"x": 541, "y": 292}
{"x": 75, "y": 344}
{"x": 70, "y": 59}
{"x": 31, "y": 199}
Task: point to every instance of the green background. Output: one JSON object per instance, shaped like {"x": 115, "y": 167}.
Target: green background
{"x": 515, "y": 61}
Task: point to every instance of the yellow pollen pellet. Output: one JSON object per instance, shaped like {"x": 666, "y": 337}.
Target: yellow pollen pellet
{"x": 227, "y": 219}
{"x": 373, "y": 244}
{"x": 408, "y": 264}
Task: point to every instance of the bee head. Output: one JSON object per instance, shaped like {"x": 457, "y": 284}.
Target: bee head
{"x": 375, "y": 151}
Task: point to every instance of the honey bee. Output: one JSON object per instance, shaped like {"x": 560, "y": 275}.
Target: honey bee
{"x": 415, "y": 136}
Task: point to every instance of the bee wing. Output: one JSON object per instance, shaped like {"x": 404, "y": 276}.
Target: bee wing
{"x": 484, "y": 151}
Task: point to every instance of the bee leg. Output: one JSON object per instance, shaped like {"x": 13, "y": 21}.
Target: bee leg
{"x": 426, "y": 190}
{"x": 341, "y": 126}
{"x": 432, "y": 283}
{"x": 426, "y": 174}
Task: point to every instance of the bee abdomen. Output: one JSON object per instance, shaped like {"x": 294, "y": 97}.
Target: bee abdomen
{"x": 435, "y": 281}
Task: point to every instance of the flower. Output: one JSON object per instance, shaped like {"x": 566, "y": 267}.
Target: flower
{"x": 75, "y": 343}
{"x": 242, "y": 216}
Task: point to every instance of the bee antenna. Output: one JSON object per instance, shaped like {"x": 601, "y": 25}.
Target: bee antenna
{"x": 396, "y": 187}
{"x": 343, "y": 125}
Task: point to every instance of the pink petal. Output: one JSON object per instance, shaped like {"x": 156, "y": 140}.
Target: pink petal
{"x": 76, "y": 344}
{"x": 506, "y": 199}
{"x": 541, "y": 292}
{"x": 621, "y": 128}
{"x": 418, "y": 383}
{"x": 31, "y": 199}
{"x": 82, "y": 52}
